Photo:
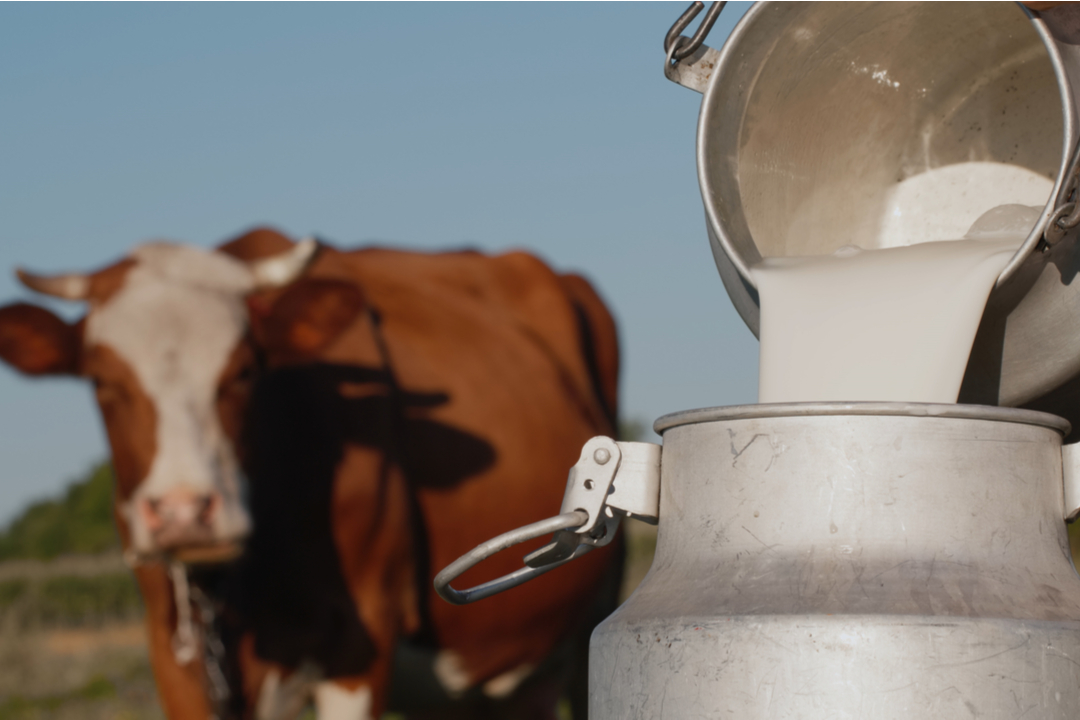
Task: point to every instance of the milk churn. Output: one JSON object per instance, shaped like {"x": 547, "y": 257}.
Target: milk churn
{"x": 871, "y": 561}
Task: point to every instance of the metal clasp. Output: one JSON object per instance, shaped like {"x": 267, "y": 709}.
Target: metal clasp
{"x": 688, "y": 62}
{"x": 678, "y": 47}
{"x": 1067, "y": 216}
{"x": 610, "y": 481}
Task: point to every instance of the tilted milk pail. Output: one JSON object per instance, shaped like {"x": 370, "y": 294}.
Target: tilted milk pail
{"x": 813, "y": 112}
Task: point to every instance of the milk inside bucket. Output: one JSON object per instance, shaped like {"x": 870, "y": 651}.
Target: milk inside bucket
{"x": 864, "y": 560}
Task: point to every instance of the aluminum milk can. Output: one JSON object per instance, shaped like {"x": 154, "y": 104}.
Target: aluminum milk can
{"x": 822, "y": 561}
{"x": 864, "y": 561}
{"x": 813, "y": 111}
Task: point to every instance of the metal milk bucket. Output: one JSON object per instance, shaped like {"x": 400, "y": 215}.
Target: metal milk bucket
{"x": 812, "y": 112}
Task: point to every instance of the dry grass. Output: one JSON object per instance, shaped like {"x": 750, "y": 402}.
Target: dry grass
{"x": 102, "y": 675}
{"x": 72, "y": 645}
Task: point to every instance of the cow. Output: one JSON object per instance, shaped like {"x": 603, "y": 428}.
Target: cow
{"x": 390, "y": 411}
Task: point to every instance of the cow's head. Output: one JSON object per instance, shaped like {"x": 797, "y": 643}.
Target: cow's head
{"x": 165, "y": 343}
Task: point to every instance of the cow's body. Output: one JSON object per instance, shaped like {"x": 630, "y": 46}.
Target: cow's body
{"x": 412, "y": 407}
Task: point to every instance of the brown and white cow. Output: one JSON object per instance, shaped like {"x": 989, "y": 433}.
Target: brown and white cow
{"x": 161, "y": 328}
{"x": 408, "y": 406}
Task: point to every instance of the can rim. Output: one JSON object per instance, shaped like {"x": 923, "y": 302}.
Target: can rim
{"x": 882, "y": 409}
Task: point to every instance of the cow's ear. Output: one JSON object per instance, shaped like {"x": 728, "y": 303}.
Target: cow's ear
{"x": 303, "y": 319}
{"x": 37, "y": 342}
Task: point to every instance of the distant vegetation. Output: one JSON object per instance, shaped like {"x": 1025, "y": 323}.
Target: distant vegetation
{"x": 632, "y": 429}
{"x": 67, "y": 600}
{"x": 80, "y": 522}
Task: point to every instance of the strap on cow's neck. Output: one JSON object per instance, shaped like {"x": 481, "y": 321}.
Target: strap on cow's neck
{"x": 375, "y": 318}
{"x": 396, "y": 452}
{"x": 392, "y": 452}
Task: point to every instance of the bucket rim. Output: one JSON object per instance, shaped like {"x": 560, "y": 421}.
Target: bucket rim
{"x": 1070, "y": 152}
{"x": 882, "y": 409}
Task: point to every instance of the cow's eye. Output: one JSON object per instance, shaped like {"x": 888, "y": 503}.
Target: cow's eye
{"x": 239, "y": 382}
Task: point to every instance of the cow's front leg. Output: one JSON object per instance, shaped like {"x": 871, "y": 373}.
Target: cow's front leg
{"x": 345, "y": 699}
{"x": 373, "y": 533}
{"x": 360, "y": 697}
{"x": 180, "y": 687}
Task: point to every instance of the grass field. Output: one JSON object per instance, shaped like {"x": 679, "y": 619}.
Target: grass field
{"x": 72, "y": 644}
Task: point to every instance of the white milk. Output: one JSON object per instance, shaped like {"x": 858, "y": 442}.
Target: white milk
{"x": 943, "y": 203}
{"x": 896, "y": 323}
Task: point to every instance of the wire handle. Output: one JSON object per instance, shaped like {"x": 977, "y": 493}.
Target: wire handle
{"x": 678, "y": 46}
{"x": 611, "y": 480}
{"x": 482, "y": 552}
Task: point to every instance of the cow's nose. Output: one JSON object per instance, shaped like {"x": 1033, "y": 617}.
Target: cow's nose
{"x": 180, "y": 517}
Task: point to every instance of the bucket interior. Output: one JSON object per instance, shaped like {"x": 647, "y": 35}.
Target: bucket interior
{"x": 823, "y": 109}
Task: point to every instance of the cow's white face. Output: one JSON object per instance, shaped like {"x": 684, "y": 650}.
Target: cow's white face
{"x": 165, "y": 343}
{"x": 176, "y": 322}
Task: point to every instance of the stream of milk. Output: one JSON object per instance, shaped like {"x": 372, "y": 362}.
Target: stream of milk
{"x": 896, "y": 321}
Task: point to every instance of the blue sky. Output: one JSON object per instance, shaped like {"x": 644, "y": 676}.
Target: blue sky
{"x": 541, "y": 126}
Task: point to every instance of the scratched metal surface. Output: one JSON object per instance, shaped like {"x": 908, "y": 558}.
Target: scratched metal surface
{"x": 874, "y": 567}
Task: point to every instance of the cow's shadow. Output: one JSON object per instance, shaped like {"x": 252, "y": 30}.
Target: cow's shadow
{"x": 288, "y": 587}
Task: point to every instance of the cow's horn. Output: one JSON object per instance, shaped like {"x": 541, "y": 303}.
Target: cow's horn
{"x": 282, "y": 269}
{"x": 68, "y": 287}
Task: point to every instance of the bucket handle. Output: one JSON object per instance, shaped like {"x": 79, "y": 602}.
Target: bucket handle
{"x": 684, "y": 47}
{"x": 485, "y": 550}
{"x": 610, "y": 481}
{"x": 688, "y": 61}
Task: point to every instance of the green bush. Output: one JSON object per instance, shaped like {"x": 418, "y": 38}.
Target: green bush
{"x": 81, "y": 522}
{"x": 11, "y": 591}
{"x": 632, "y": 429}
